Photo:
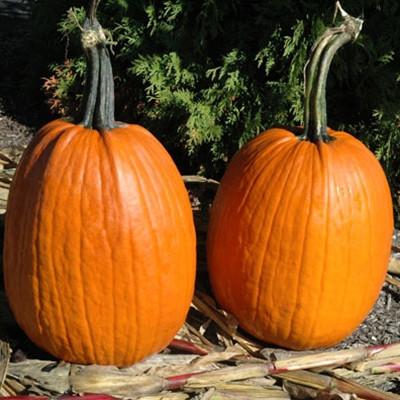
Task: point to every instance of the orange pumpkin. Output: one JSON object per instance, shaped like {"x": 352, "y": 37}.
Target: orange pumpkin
{"x": 300, "y": 230}
{"x": 99, "y": 260}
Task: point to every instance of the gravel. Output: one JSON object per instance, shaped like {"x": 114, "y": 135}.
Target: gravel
{"x": 14, "y": 136}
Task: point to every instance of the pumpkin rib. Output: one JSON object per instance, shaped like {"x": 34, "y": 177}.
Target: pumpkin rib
{"x": 139, "y": 165}
{"x": 13, "y": 265}
{"x": 324, "y": 166}
{"x": 42, "y": 194}
{"x": 314, "y": 165}
{"x": 86, "y": 271}
{"x": 73, "y": 159}
{"x": 325, "y": 156}
{"x": 105, "y": 154}
{"x": 311, "y": 155}
{"x": 225, "y": 215}
{"x": 169, "y": 211}
{"x": 36, "y": 289}
{"x": 154, "y": 238}
{"x": 361, "y": 184}
{"x": 126, "y": 155}
{"x": 101, "y": 157}
{"x": 91, "y": 194}
{"x": 63, "y": 141}
{"x": 20, "y": 255}
{"x": 183, "y": 214}
{"x": 290, "y": 202}
{"x": 353, "y": 182}
{"x": 253, "y": 158}
{"x": 287, "y": 219}
{"x": 367, "y": 198}
{"x": 260, "y": 173}
{"x": 173, "y": 198}
{"x": 294, "y": 202}
{"x": 275, "y": 159}
{"x": 86, "y": 146}
{"x": 108, "y": 166}
{"x": 368, "y": 221}
{"x": 350, "y": 182}
{"x": 348, "y": 205}
{"x": 36, "y": 272}
{"x": 350, "y": 210}
{"x": 110, "y": 145}
{"x": 255, "y": 182}
{"x": 13, "y": 199}
{"x": 359, "y": 181}
{"x": 367, "y": 205}
{"x": 143, "y": 156}
{"x": 133, "y": 166}
{"x": 292, "y": 155}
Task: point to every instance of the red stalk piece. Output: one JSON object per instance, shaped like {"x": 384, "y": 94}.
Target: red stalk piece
{"x": 387, "y": 368}
{"x": 187, "y": 347}
{"x": 178, "y": 381}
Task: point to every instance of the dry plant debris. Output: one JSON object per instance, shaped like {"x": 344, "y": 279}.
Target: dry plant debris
{"x": 219, "y": 373}
{"x": 210, "y": 357}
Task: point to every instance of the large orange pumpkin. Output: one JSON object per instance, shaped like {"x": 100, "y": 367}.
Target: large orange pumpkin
{"x": 301, "y": 226}
{"x": 99, "y": 258}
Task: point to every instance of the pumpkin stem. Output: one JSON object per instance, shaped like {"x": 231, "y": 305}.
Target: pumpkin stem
{"x": 93, "y": 10}
{"x": 316, "y": 74}
{"x": 98, "y": 103}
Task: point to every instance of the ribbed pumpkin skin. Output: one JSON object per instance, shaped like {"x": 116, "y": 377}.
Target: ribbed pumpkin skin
{"x": 99, "y": 260}
{"x": 300, "y": 237}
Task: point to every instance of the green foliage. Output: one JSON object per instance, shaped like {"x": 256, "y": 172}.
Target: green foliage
{"x": 206, "y": 76}
{"x": 383, "y": 135}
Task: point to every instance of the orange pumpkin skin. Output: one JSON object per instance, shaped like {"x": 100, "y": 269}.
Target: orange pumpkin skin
{"x": 99, "y": 259}
{"x": 300, "y": 237}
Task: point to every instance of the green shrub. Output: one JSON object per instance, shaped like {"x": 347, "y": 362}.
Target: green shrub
{"x": 383, "y": 136}
{"x": 206, "y": 76}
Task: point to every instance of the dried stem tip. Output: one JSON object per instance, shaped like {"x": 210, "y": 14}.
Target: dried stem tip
{"x": 93, "y": 37}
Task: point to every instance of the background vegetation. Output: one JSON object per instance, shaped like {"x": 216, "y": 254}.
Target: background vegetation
{"x": 207, "y": 75}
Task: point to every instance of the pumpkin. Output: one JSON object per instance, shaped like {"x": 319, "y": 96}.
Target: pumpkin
{"x": 300, "y": 229}
{"x": 99, "y": 258}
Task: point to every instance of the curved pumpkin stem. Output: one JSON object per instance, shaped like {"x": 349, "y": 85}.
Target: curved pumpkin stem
{"x": 316, "y": 73}
{"x": 98, "y": 104}
{"x": 93, "y": 10}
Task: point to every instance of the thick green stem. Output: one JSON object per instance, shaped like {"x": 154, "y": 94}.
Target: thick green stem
{"x": 316, "y": 74}
{"x": 310, "y": 72}
{"x": 98, "y": 103}
{"x": 93, "y": 10}
{"x": 92, "y": 82}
